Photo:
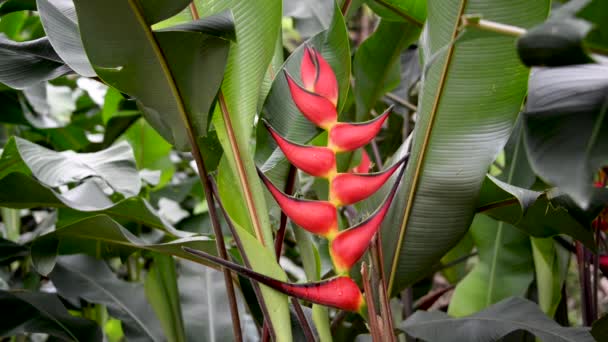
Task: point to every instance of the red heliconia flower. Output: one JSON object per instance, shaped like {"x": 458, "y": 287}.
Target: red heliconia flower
{"x": 318, "y": 217}
{"x": 314, "y": 160}
{"x": 317, "y": 75}
{"x": 350, "y": 245}
{"x": 349, "y": 188}
{"x": 339, "y": 292}
{"x": 316, "y": 108}
{"x": 350, "y": 136}
{"x": 364, "y": 165}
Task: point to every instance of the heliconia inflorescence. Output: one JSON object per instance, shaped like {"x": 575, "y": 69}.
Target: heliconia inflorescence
{"x": 317, "y": 99}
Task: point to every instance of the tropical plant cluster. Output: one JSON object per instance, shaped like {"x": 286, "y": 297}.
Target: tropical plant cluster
{"x": 318, "y": 170}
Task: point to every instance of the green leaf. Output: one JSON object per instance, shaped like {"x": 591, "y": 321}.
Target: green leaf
{"x": 257, "y": 28}
{"x": 564, "y": 121}
{"x": 28, "y": 63}
{"x": 412, "y": 11}
{"x": 39, "y": 312}
{"x": 88, "y": 199}
{"x": 538, "y": 214}
{"x": 551, "y": 268}
{"x": 205, "y": 304}
{"x": 375, "y": 63}
{"x": 492, "y": 324}
{"x": 161, "y": 290}
{"x": 467, "y": 108}
{"x": 599, "y": 328}
{"x": 11, "y": 251}
{"x": 60, "y": 24}
{"x": 556, "y": 42}
{"x": 9, "y": 6}
{"x": 100, "y": 236}
{"x": 115, "y": 166}
{"x": 504, "y": 268}
{"x": 79, "y": 276}
{"x": 151, "y": 150}
{"x": 174, "y": 74}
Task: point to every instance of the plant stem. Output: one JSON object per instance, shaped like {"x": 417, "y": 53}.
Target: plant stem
{"x": 269, "y": 329}
{"x": 302, "y": 319}
{"x": 385, "y": 305}
{"x": 371, "y": 305}
{"x": 219, "y": 238}
{"x": 289, "y": 189}
{"x": 345, "y": 6}
{"x": 377, "y": 157}
{"x": 491, "y": 26}
{"x": 584, "y": 283}
{"x": 401, "y": 101}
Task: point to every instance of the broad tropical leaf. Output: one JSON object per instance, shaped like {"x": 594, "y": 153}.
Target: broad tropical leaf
{"x": 376, "y": 63}
{"x": 87, "y": 199}
{"x": 100, "y": 236}
{"x": 412, "y": 11}
{"x": 28, "y": 63}
{"x": 491, "y": 324}
{"x": 40, "y": 312}
{"x": 465, "y": 120}
{"x": 182, "y": 66}
{"x": 79, "y": 276}
{"x": 162, "y": 293}
{"x": 565, "y": 120}
{"x": 504, "y": 269}
{"x": 114, "y": 166}
{"x": 60, "y": 24}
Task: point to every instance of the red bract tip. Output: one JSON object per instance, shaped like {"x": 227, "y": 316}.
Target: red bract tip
{"x": 350, "y": 136}
{"x": 350, "y": 245}
{"x": 317, "y": 75}
{"x": 326, "y": 84}
{"x": 314, "y": 160}
{"x": 314, "y": 107}
{"x": 318, "y": 217}
{"x": 308, "y": 69}
{"x": 348, "y": 188}
{"x": 340, "y": 292}
{"x": 364, "y": 165}
{"x": 604, "y": 264}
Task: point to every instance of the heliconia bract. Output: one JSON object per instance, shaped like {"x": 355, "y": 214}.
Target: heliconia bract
{"x": 349, "y": 188}
{"x": 317, "y": 75}
{"x": 314, "y": 160}
{"x": 316, "y": 108}
{"x": 350, "y": 245}
{"x": 350, "y": 136}
{"x": 364, "y": 165}
{"x": 339, "y": 292}
{"x": 318, "y": 217}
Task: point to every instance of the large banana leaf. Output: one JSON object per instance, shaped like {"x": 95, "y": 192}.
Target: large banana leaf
{"x": 174, "y": 73}
{"x": 472, "y": 92}
{"x": 257, "y": 26}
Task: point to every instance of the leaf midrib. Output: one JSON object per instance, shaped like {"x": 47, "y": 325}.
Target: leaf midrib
{"x": 499, "y": 233}
{"x": 425, "y": 144}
